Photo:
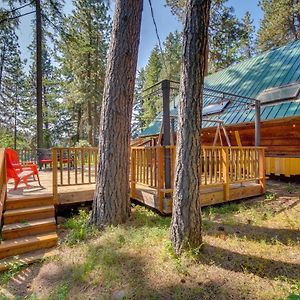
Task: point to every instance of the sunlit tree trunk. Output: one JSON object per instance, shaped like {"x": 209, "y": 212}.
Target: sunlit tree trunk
{"x": 186, "y": 219}
{"x": 111, "y": 202}
{"x": 39, "y": 75}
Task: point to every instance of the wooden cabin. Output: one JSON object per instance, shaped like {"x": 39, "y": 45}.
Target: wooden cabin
{"x": 273, "y": 78}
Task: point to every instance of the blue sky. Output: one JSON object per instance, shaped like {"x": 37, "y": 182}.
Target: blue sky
{"x": 166, "y": 23}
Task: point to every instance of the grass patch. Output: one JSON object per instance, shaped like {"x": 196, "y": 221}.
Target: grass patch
{"x": 295, "y": 293}
{"x": 291, "y": 188}
{"x": 249, "y": 252}
{"x": 14, "y": 267}
{"x": 61, "y": 292}
{"x": 80, "y": 229}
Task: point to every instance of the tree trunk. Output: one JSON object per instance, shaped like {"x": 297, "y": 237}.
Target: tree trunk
{"x": 16, "y": 114}
{"x": 2, "y": 61}
{"x": 111, "y": 202}
{"x": 46, "y": 136}
{"x": 298, "y": 21}
{"x": 96, "y": 122}
{"x": 79, "y": 116}
{"x": 206, "y": 57}
{"x": 39, "y": 76}
{"x": 90, "y": 123}
{"x": 186, "y": 219}
{"x": 89, "y": 104}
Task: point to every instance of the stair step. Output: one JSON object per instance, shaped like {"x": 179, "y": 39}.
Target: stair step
{"x": 27, "y": 214}
{"x": 27, "y": 258}
{"x": 27, "y": 244}
{"x": 32, "y": 201}
{"x": 17, "y": 230}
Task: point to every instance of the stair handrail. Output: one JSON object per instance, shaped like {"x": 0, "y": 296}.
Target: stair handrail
{"x": 3, "y": 185}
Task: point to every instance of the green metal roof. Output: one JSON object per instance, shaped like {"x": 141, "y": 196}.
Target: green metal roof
{"x": 278, "y": 67}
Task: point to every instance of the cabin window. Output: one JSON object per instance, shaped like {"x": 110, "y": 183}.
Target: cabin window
{"x": 214, "y": 108}
{"x": 280, "y": 93}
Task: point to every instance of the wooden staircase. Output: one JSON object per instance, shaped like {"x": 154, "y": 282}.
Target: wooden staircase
{"x": 29, "y": 226}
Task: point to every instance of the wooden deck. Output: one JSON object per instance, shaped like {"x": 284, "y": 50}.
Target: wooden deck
{"x": 228, "y": 173}
{"x": 76, "y": 194}
{"x": 70, "y": 194}
{"x": 208, "y": 195}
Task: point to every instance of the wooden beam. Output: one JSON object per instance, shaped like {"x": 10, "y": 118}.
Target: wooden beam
{"x": 238, "y": 138}
{"x": 257, "y": 123}
{"x": 54, "y": 175}
{"x": 225, "y": 169}
{"x": 165, "y": 85}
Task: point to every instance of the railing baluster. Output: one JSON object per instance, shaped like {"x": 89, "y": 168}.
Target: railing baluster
{"x": 89, "y": 163}
{"x": 150, "y": 167}
{"x": 147, "y": 167}
{"x": 75, "y": 166}
{"x": 61, "y": 166}
{"x": 54, "y": 174}
{"x": 225, "y": 160}
{"x": 132, "y": 173}
{"x": 82, "y": 164}
{"x": 68, "y": 165}
{"x": 205, "y": 166}
{"x": 95, "y": 163}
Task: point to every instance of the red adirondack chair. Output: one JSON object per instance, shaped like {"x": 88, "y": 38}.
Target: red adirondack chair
{"x": 18, "y": 171}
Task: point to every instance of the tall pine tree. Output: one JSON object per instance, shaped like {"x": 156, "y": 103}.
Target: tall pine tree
{"x": 248, "y": 38}
{"x": 225, "y": 33}
{"x": 137, "y": 122}
{"x": 280, "y": 24}
{"x": 152, "y": 105}
{"x": 12, "y": 82}
{"x": 84, "y": 46}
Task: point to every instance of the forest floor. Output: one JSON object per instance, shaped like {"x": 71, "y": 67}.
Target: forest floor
{"x": 251, "y": 251}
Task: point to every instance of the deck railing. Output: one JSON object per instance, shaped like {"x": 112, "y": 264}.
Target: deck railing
{"x": 3, "y": 185}
{"x": 26, "y": 155}
{"x": 221, "y": 166}
{"x": 73, "y": 166}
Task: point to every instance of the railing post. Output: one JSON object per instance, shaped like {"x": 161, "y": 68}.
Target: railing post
{"x": 225, "y": 168}
{"x": 160, "y": 177}
{"x": 257, "y": 123}
{"x": 54, "y": 174}
{"x": 132, "y": 173}
{"x": 262, "y": 169}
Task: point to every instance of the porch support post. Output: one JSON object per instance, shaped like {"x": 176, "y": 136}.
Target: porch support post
{"x": 257, "y": 123}
{"x": 165, "y": 85}
{"x": 54, "y": 175}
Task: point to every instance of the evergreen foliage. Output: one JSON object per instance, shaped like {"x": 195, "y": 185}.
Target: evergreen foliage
{"x": 226, "y": 33}
{"x": 74, "y": 63}
{"x": 248, "y": 39}
{"x": 138, "y": 122}
{"x": 280, "y": 24}
{"x": 74, "y": 50}
{"x": 83, "y": 48}
{"x": 157, "y": 70}
{"x": 12, "y": 83}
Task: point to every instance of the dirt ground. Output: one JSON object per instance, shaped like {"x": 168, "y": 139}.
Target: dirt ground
{"x": 251, "y": 251}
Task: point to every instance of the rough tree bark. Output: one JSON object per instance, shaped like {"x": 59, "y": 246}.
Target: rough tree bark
{"x": 79, "y": 116}
{"x": 2, "y": 61}
{"x": 39, "y": 76}
{"x": 186, "y": 220}
{"x": 111, "y": 201}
